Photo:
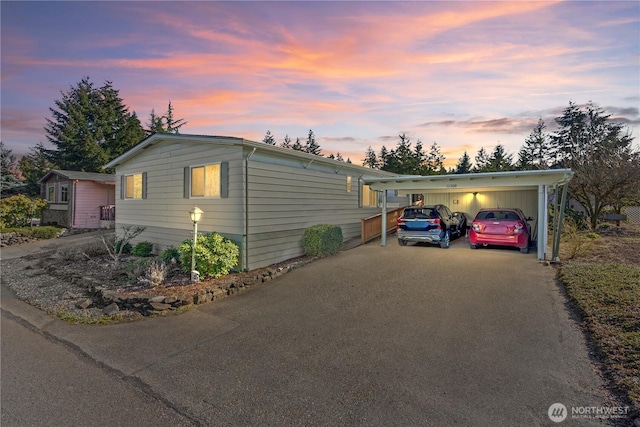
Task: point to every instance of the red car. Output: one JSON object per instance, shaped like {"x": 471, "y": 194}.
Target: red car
{"x": 500, "y": 226}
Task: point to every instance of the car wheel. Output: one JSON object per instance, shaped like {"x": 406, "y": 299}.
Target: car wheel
{"x": 473, "y": 246}
{"x": 525, "y": 250}
{"x": 402, "y": 242}
{"x": 446, "y": 240}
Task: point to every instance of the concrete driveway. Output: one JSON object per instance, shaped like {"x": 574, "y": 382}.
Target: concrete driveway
{"x": 413, "y": 335}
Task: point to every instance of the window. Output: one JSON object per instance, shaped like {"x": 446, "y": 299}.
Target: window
{"x": 133, "y": 186}
{"x": 369, "y": 197}
{"x": 348, "y": 184}
{"x": 64, "y": 193}
{"x": 206, "y": 180}
{"x": 51, "y": 193}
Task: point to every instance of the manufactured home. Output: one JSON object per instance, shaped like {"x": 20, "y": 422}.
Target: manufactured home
{"x": 78, "y": 199}
{"x": 261, "y": 196}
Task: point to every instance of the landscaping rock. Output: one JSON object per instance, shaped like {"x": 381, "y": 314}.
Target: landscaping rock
{"x": 86, "y": 303}
{"x": 111, "y": 309}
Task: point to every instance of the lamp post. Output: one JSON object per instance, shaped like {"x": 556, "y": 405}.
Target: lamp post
{"x": 196, "y": 214}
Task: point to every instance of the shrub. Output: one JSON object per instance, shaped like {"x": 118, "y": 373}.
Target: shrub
{"x": 152, "y": 273}
{"x": 126, "y": 249}
{"x": 215, "y": 255}
{"x": 576, "y": 243}
{"x": 322, "y": 240}
{"x": 170, "y": 255}
{"x": 142, "y": 249}
{"x": 45, "y": 232}
{"x": 17, "y": 211}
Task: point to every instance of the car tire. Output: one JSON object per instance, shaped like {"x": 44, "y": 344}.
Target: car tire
{"x": 525, "y": 250}
{"x": 446, "y": 240}
{"x": 402, "y": 242}
{"x": 473, "y": 246}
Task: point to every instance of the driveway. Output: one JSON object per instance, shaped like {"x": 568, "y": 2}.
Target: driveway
{"x": 374, "y": 336}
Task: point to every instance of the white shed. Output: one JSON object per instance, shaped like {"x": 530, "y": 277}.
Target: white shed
{"x": 527, "y": 190}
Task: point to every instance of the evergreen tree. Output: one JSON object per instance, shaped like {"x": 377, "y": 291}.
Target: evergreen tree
{"x": 602, "y": 156}
{"x": 339, "y": 157}
{"x": 90, "y": 127}
{"x": 535, "y": 153}
{"x": 370, "y": 159}
{"x": 286, "y": 143}
{"x": 499, "y": 161}
{"x": 8, "y": 169}
{"x": 464, "y": 164}
{"x": 166, "y": 123}
{"x": 311, "y": 146}
{"x": 297, "y": 145}
{"x": 268, "y": 138}
{"x": 34, "y": 165}
{"x": 435, "y": 161}
{"x": 482, "y": 161}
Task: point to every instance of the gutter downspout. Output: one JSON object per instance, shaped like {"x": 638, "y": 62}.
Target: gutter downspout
{"x": 246, "y": 211}
{"x": 73, "y": 203}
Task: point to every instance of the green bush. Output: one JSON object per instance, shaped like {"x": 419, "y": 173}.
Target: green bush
{"x": 322, "y": 240}
{"x": 126, "y": 249}
{"x": 170, "y": 255}
{"x": 44, "y": 232}
{"x": 17, "y": 211}
{"x": 215, "y": 255}
{"x": 142, "y": 249}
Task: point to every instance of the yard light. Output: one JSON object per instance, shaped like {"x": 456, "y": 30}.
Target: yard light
{"x": 196, "y": 214}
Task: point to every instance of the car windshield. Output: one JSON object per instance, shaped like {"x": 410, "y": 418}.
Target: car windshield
{"x": 420, "y": 213}
{"x": 498, "y": 216}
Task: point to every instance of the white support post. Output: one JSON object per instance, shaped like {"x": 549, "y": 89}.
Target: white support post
{"x": 542, "y": 221}
{"x": 384, "y": 218}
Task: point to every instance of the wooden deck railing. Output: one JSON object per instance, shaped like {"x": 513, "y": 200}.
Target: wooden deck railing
{"x": 108, "y": 213}
{"x": 371, "y": 227}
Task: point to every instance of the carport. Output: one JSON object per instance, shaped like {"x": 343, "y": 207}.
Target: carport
{"x": 470, "y": 192}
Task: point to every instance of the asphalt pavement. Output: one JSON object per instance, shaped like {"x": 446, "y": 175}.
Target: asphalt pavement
{"x": 373, "y": 336}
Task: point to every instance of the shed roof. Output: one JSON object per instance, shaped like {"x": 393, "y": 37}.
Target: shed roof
{"x": 104, "y": 178}
{"x": 487, "y": 181}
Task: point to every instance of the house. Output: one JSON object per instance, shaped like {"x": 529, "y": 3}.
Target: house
{"x": 78, "y": 199}
{"x": 261, "y": 196}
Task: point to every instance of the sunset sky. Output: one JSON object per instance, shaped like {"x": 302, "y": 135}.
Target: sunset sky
{"x": 463, "y": 74}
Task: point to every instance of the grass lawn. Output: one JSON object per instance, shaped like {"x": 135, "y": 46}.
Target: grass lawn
{"x": 603, "y": 284}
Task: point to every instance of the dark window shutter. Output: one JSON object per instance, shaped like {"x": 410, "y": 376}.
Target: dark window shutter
{"x": 224, "y": 180}
{"x": 144, "y": 185}
{"x": 187, "y": 182}
{"x": 123, "y": 184}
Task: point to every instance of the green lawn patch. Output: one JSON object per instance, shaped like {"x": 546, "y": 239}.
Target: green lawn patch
{"x": 607, "y": 295}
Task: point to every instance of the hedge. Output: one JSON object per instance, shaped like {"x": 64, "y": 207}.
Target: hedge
{"x": 322, "y": 240}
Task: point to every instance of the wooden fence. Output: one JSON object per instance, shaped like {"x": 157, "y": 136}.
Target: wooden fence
{"x": 371, "y": 227}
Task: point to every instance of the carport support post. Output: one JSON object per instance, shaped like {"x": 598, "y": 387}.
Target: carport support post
{"x": 543, "y": 222}
{"x": 383, "y": 231}
{"x": 555, "y": 255}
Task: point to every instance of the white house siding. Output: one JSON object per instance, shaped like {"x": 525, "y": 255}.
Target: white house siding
{"x": 88, "y": 196}
{"x": 284, "y": 200}
{"x": 165, "y": 211}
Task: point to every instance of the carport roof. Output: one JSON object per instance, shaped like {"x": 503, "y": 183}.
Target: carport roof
{"x": 487, "y": 181}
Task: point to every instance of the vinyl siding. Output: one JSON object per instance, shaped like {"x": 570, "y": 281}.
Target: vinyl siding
{"x": 165, "y": 207}
{"x": 285, "y": 200}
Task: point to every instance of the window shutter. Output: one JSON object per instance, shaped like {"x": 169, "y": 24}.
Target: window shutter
{"x": 144, "y": 185}
{"x": 187, "y": 182}
{"x": 122, "y": 186}
{"x": 360, "y": 192}
{"x": 224, "y": 180}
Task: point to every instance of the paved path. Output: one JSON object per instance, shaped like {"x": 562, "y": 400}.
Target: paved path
{"x": 373, "y": 336}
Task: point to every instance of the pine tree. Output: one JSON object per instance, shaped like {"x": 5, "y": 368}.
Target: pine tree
{"x": 89, "y": 127}
{"x": 34, "y": 165}
{"x": 435, "y": 160}
{"x": 268, "y": 138}
{"x": 297, "y": 145}
{"x": 286, "y": 143}
{"x": 464, "y": 164}
{"x": 482, "y": 161}
{"x": 8, "y": 168}
{"x": 339, "y": 157}
{"x": 155, "y": 122}
{"x": 311, "y": 146}
{"x": 535, "y": 153}
{"x": 166, "y": 123}
{"x": 499, "y": 161}
{"x": 370, "y": 159}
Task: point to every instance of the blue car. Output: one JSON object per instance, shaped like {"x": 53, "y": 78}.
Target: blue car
{"x": 431, "y": 224}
